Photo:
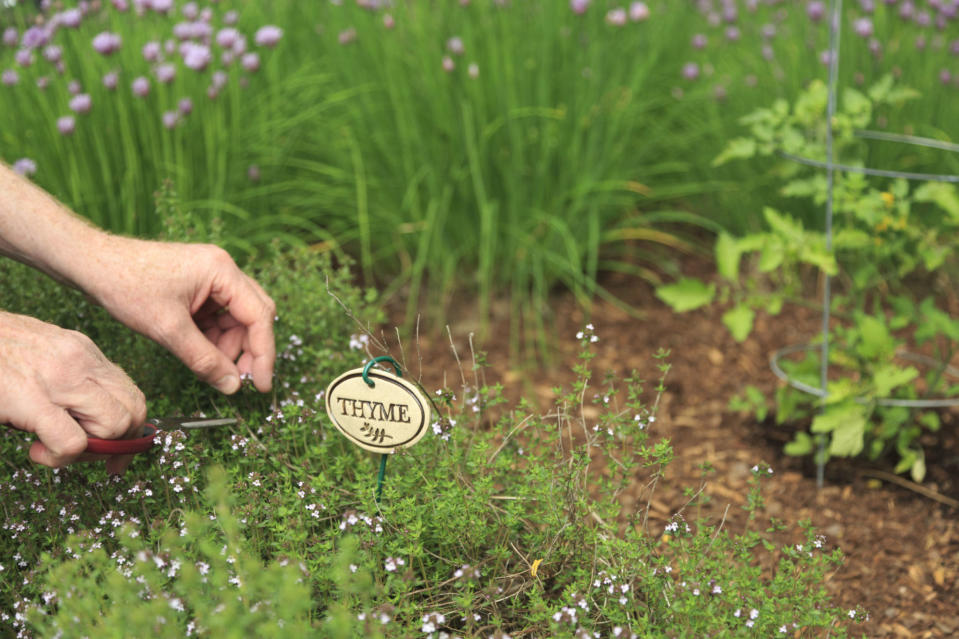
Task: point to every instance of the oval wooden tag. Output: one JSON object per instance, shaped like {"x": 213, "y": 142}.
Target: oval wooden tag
{"x": 392, "y": 414}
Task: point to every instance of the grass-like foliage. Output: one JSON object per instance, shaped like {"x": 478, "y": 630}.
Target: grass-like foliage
{"x": 504, "y": 521}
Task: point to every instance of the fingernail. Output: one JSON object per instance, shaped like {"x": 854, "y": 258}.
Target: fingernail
{"x": 228, "y": 384}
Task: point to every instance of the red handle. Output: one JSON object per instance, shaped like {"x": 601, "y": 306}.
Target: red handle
{"x": 123, "y": 446}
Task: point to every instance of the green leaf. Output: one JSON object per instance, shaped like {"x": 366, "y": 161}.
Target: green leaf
{"x": 739, "y": 321}
{"x": 889, "y": 376}
{"x": 942, "y": 195}
{"x": 848, "y": 439}
{"x": 772, "y": 254}
{"x": 931, "y": 421}
{"x": 802, "y": 444}
{"x": 837, "y": 416}
{"x": 881, "y": 89}
{"x": 736, "y": 149}
{"x": 787, "y": 227}
{"x": 875, "y": 340}
{"x": 818, "y": 256}
{"x": 727, "y": 256}
{"x": 687, "y": 294}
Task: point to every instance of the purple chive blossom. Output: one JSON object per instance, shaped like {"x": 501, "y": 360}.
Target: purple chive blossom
{"x": 347, "y": 36}
{"x": 253, "y": 173}
{"x": 202, "y": 31}
{"x": 71, "y": 18}
{"x": 110, "y": 80}
{"x": 196, "y": 56}
{"x": 768, "y": 31}
{"x": 448, "y": 64}
{"x": 74, "y": 87}
{"x": 25, "y": 167}
{"x": 52, "y": 53}
{"x": 867, "y": 5}
{"x": 250, "y": 62}
{"x": 907, "y": 10}
{"x": 66, "y": 125}
{"x": 107, "y": 43}
{"x": 185, "y": 106}
{"x": 35, "y": 37}
{"x": 733, "y": 34}
{"x": 121, "y": 5}
{"x": 473, "y": 70}
{"x": 579, "y": 6}
{"x": 227, "y": 58}
{"x": 239, "y": 47}
{"x": 616, "y": 17}
{"x": 268, "y": 36}
{"x": 165, "y": 73}
{"x": 43, "y": 82}
{"x": 219, "y": 79}
{"x": 161, "y": 6}
{"x": 921, "y": 42}
{"x": 699, "y": 41}
{"x": 206, "y": 15}
{"x": 81, "y": 103}
{"x": 11, "y": 37}
{"x": 875, "y": 47}
{"x": 730, "y": 13}
{"x": 945, "y": 76}
{"x": 388, "y": 21}
{"x": 455, "y": 45}
{"x": 140, "y": 87}
{"x": 825, "y": 57}
{"x": 863, "y": 27}
{"x": 816, "y": 11}
{"x": 183, "y": 30}
{"x": 170, "y": 119}
{"x": 230, "y": 18}
{"x": 690, "y": 70}
{"x": 190, "y": 11}
{"x": 24, "y": 57}
{"x": 151, "y": 51}
{"x": 638, "y": 11}
{"x": 226, "y": 38}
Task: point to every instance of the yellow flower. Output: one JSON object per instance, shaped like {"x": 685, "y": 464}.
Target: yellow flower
{"x": 535, "y": 567}
{"x": 888, "y": 198}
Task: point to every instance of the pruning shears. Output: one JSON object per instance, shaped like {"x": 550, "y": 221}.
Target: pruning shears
{"x": 150, "y": 429}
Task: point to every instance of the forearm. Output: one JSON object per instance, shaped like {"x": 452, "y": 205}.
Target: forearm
{"x": 37, "y": 230}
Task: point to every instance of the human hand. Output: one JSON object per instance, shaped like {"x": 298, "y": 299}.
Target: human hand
{"x": 192, "y": 299}
{"x": 57, "y": 384}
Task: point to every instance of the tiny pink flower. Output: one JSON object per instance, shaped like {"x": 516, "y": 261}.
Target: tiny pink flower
{"x": 268, "y": 36}
{"x": 24, "y": 57}
{"x": 230, "y": 17}
{"x": 66, "y": 125}
{"x": 863, "y": 27}
{"x": 107, "y": 43}
{"x": 185, "y": 106}
{"x": 170, "y": 119}
{"x": 616, "y": 17}
{"x": 455, "y": 45}
{"x": 733, "y": 34}
{"x": 212, "y": 92}
{"x": 121, "y": 5}
{"x": 206, "y": 15}
{"x": 165, "y": 73}
{"x": 227, "y": 58}
{"x": 11, "y": 37}
{"x": 196, "y": 56}
{"x": 35, "y": 37}
{"x": 638, "y": 11}
{"x": 250, "y": 62}
{"x": 140, "y": 87}
{"x": 183, "y": 30}
{"x": 239, "y": 47}
{"x": 111, "y": 79}
{"x": 219, "y": 79}
{"x": 81, "y": 103}
{"x": 347, "y": 36}
{"x": 579, "y": 6}
{"x": 52, "y": 53}
{"x": 253, "y": 173}
{"x": 448, "y": 64}
{"x": 388, "y": 21}
{"x": 816, "y": 10}
{"x": 151, "y": 51}
{"x": 161, "y": 6}
{"x": 10, "y": 77}
{"x": 226, "y": 38}
{"x": 43, "y": 82}
{"x": 690, "y": 70}
{"x": 74, "y": 88}
{"x": 25, "y": 167}
{"x": 473, "y": 70}
{"x": 71, "y": 18}
{"x": 699, "y": 41}
{"x": 190, "y": 11}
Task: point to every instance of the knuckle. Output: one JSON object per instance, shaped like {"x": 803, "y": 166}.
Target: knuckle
{"x": 203, "y": 363}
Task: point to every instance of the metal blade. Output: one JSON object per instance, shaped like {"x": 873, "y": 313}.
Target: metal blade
{"x": 172, "y": 423}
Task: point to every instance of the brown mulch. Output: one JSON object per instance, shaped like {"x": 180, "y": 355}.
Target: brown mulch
{"x": 901, "y": 547}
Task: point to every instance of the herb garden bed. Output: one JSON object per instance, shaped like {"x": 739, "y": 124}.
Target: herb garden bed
{"x": 901, "y": 548}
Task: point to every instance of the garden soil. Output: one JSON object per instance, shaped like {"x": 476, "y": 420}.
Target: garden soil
{"x": 900, "y": 540}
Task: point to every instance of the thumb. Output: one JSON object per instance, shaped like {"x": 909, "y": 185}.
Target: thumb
{"x": 206, "y": 360}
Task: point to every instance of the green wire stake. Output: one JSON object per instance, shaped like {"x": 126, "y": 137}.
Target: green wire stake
{"x": 369, "y": 382}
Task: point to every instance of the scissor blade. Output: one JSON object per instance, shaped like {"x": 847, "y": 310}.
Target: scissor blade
{"x": 172, "y": 423}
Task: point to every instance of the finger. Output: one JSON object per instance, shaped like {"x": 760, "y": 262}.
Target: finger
{"x": 98, "y": 411}
{"x": 61, "y": 439}
{"x": 230, "y": 342}
{"x": 250, "y": 306}
{"x": 205, "y": 359}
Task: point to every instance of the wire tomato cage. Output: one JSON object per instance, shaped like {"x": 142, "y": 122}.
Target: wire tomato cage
{"x": 831, "y": 167}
